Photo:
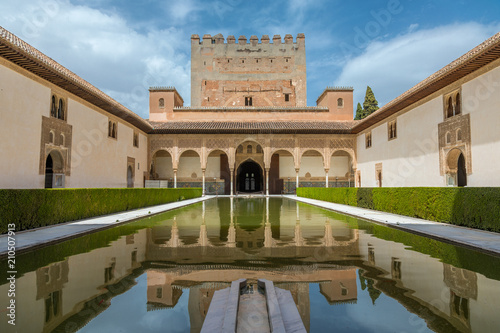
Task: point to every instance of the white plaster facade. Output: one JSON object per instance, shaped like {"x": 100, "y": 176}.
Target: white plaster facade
{"x": 413, "y": 158}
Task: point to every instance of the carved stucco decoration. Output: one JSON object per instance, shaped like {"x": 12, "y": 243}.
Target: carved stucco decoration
{"x": 454, "y": 133}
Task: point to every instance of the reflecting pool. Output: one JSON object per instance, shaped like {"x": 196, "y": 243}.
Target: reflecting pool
{"x": 346, "y": 275}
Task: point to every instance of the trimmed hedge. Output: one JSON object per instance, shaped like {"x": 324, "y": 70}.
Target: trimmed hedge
{"x": 29, "y": 209}
{"x": 475, "y": 207}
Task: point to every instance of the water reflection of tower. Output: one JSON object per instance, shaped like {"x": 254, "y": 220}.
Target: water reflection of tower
{"x": 300, "y": 294}
{"x": 199, "y": 301}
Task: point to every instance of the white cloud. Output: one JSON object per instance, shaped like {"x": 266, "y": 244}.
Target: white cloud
{"x": 104, "y": 49}
{"x": 393, "y": 66}
{"x": 180, "y": 10}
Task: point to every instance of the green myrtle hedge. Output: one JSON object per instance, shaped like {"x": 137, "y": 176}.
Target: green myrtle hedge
{"x": 475, "y": 207}
{"x": 29, "y": 209}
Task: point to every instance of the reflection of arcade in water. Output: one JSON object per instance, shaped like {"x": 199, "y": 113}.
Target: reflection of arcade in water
{"x": 203, "y": 249}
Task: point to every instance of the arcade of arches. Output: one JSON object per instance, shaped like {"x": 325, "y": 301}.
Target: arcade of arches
{"x": 271, "y": 164}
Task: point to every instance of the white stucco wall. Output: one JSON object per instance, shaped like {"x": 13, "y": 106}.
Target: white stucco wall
{"x": 96, "y": 160}
{"x": 412, "y": 159}
{"x": 189, "y": 165}
{"x": 20, "y": 129}
{"x": 213, "y": 167}
{"x": 339, "y": 166}
{"x": 481, "y": 98}
{"x": 313, "y": 165}
{"x": 164, "y": 167}
{"x": 287, "y": 168}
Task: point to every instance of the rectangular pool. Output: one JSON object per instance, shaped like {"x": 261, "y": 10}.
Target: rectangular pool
{"x": 346, "y": 275}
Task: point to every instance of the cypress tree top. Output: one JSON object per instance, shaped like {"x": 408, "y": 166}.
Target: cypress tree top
{"x": 370, "y": 104}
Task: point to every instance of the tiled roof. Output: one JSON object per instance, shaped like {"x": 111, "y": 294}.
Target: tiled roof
{"x": 253, "y": 127}
{"x": 26, "y": 56}
{"x": 480, "y": 56}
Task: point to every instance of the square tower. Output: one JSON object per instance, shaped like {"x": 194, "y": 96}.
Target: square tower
{"x": 248, "y": 73}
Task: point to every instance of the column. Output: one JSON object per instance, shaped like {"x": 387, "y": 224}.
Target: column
{"x": 232, "y": 176}
{"x": 175, "y": 178}
{"x": 326, "y": 178}
{"x": 267, "y": 182}
{"x": 203, "y": 182}
{"x": 297, "y": 179}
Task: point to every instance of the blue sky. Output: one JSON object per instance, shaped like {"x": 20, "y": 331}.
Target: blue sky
{"x": 123, "y": 47}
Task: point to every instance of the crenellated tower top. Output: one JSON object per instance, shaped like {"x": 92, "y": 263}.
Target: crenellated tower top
{"x": 209, "y": 41}
{"x": 231, "y": 72}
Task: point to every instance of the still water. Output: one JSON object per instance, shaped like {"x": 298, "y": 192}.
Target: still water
{"x": 346, "y": 275}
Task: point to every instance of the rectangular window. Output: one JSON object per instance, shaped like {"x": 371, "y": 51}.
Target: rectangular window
{"x": 136, "y": 140}
{"x": 392, "y": 130}
{"x": 287, "y": 97}
{"x": 368, "y": 139}
{"x": 248, "y": 101}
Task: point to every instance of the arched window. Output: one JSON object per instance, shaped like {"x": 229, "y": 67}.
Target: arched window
{"x": 449, "y": 108}
{"x": 161, "y": 103}
{"x": 51, "y": 137}
{"x": 249, "y": 149}
{"x": 259, "y": 149}
{"x": 53, "y": 110}
{"x": 240, "y": 149}
{"x": 459, "y": 135}
{"x": 340, "y": 102}
{"x": 60, "y": 110}
{"x": 457, "y": 104}
{"x": 448, "y": 137}
{"x": 113, "y": 133}
{"x": 110, "y": 128}
{"x": 62, "y": 139}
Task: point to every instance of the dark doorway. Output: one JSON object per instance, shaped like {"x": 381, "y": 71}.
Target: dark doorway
{"x": 249, "y": 177}
{"x": 130, "y": 177}
{"x": 461, "y": 172}
{"x": 49, "y": 172}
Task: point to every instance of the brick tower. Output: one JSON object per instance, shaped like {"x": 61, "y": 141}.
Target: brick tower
{"x": 257, "y": 74}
